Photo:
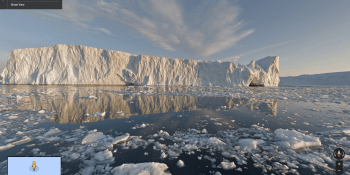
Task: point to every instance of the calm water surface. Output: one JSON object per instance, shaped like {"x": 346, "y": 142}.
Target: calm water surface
{"x": 161, "y": 108}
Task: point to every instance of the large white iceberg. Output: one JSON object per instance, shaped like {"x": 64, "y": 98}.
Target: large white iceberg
{"x": 74, "y": 64}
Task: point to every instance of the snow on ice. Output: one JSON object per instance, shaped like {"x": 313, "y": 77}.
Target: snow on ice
{"x": 150, "y": 168}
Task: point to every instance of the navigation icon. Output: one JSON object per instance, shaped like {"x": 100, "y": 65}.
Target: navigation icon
{"x": 339, "y": 153}
{"x": 34, "y": 167}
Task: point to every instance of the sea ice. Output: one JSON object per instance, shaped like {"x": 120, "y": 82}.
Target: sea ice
{"x": 98, "y": 114}
{"x": 74, "y": 156}
{"x": 295, "y": 140}
{"x": 93, "y": 137}
{"x": 228, "y": 165}
{"x": 150, "y": 168}
{"x": 120, "y": 138}
{"x": 104, "y": 155}
{"x": 250, "y": 143}
{"x": 180, "y": 164}
{"x": 52, "y": 131}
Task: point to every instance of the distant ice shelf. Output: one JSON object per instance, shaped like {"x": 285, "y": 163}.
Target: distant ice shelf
{"x": 74, "y": 64}
{"x": 334, "y": 79}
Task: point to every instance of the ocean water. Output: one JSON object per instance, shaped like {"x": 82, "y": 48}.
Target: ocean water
{"x": 226, "y": 130}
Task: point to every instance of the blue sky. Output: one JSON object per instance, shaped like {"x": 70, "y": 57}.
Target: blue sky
{"x": 309, "y": 36}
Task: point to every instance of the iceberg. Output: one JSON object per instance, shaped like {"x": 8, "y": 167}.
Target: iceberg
{"x": 75, "y": 64}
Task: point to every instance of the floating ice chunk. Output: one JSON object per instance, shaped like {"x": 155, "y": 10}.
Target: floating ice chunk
{"x": 232, "y": 121}
{"x": 214, "y": 141}
{"x": 143, "y": 125}
{"x": 217, "y": 173}
{"x": 180, "y": 164}
{"x": 227, "y": 154}
{"x": 12, "y": 117}
{"x": 53, "y": 139}
{"x": 35, "y": 150}
{"x": 312, "y": 159}
{"x": 163, "y": 155}
{"x": 345, "y": 131}
{"x": 74, "y": 156}
{"x": 228, "y": 165}
{"x": 88, "y": 170}
{"x": 52, "y": 131}
{"x": 189, "y": 147}
{"x": 103, "y": 155}
{"x": 150, "y": 168}
{"x": 5, "y": 147}
{"x": 292, "y": 165}
{"x": 23, "y": 140}
{"x": 10, "y": 140}
{"x": 204, "y": 131}
{"x": 179, "y": 116}
{"x": 163, "y": 133}
{"x": 71, "y": 139}
{"x": 173, "y": 154}
{"x": 120, "y": 138}
{"x": 217, "y": 123}
{"x": 41, "y": 112}
{"x": 343, "y": 142}
{"x": 278, "y": 165}
{"x": 295, "y": 140}
{"x": 250, "y": 143}
{"x": 93, "y": 137}
{"x": 98, "y": 114}
{"x": 19, "y": 133}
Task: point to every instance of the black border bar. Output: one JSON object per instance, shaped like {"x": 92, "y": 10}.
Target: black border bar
{"x": 30, "y": 4}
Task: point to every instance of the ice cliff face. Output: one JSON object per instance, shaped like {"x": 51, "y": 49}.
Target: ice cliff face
{"x": 73, "y": 64}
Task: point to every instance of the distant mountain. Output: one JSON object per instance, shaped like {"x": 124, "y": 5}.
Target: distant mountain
{"x": 335, "y": 78}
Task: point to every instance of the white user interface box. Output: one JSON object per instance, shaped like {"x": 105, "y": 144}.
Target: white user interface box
{"x": 35, "y": 165}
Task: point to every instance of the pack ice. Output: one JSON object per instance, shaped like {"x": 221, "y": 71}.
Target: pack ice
{"x": 74, "y": 64}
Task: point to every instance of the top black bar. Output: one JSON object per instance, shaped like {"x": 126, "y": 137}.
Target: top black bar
{"x": 30, "y": 4}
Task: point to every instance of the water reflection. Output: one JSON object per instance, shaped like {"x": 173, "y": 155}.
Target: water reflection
{"x": 71, "y": 104}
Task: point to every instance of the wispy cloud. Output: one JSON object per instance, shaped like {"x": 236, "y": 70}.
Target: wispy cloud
{"x": 236, "y": 57}
{"x": 103, "y": 30}
{"x": 201, "y": 27}
{"x": 232, "y": 58}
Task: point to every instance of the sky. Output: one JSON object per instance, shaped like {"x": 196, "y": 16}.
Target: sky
{"x": 310, "y": 37}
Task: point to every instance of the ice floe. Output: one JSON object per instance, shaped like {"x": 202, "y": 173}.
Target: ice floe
{"x": 150, "y": 168}
{"x": 295, "y": 140}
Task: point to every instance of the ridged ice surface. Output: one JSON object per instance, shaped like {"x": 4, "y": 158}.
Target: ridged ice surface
{"x": 73, "y": 64}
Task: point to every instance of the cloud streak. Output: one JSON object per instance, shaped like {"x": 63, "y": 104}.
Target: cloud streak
{"x": 203, "y": 28}
{"x": 235, "y": 58}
